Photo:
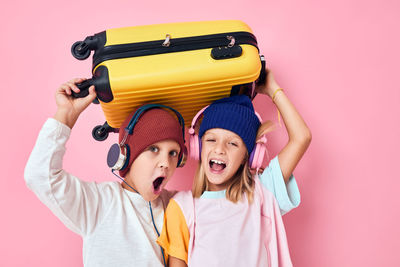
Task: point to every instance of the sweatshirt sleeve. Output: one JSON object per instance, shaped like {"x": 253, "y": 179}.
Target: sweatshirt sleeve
{"x": 78, "y": 204}
{"x": 287, "y": 195}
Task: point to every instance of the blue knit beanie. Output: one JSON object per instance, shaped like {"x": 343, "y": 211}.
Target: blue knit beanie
{"x": 236, "y": 114}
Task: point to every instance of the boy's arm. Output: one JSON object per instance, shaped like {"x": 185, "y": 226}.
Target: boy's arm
{"x": 298, "y": 132}
{"x": 71, "y": 200}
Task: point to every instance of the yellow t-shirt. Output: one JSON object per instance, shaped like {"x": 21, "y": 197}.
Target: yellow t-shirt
{"x": 175, "y": 233}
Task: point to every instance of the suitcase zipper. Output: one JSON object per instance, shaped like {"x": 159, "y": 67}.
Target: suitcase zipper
{"x": 170, "y": 45}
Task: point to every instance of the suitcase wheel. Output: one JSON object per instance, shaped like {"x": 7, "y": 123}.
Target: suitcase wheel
{"x": 80, "y": 50}
{"x": 100, "y": 133}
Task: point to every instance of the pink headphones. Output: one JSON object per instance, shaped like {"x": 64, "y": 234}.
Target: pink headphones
{"x": 256, "y": 156}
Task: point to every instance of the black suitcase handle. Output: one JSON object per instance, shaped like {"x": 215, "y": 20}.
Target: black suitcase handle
{"x": 263, "y": 73}
{"x": 84, "y": 87}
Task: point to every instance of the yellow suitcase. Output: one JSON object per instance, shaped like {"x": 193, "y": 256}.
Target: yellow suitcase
{"x": 182, "y": 65}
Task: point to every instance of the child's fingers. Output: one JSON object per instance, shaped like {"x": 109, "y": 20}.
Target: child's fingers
{"x": 79, "y": 80}
{"x": 70, "y": 86}
{"x": 65, "y": 88}
{"x": 72, "y": 83}
{"x": 73, "y": 87}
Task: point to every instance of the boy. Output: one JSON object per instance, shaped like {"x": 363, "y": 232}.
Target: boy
{"x": 115, "y": 220}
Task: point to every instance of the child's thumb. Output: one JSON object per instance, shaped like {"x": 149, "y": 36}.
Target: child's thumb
{"x": 92, "y": 94}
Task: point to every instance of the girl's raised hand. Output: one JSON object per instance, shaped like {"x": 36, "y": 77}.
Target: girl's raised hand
{"x": 68, "y": 107}
{"x": 270, "y": 85}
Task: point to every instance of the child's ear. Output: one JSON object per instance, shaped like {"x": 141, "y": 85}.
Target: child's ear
{"x": 265, "y": 128}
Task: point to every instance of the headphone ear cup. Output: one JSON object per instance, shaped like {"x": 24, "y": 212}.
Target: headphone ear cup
{"x": 118, "y": 157}
{"x": 257, "y": 158}
{"x": 113, "y": 155}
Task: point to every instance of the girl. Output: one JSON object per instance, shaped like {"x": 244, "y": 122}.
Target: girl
{"x": 231, "y": 218}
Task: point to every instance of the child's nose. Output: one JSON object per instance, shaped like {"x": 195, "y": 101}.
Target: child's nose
{"x": 219, "y": 148}
{"x": 163, "y": 161}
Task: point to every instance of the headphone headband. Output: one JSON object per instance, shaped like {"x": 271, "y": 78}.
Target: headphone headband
{"x": 195, "y": 118}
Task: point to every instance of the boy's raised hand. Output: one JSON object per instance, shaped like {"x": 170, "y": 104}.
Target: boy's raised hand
{"x": 68, "y": 107}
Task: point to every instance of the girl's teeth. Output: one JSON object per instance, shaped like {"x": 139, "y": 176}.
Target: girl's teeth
{"x": 217, "y": 165}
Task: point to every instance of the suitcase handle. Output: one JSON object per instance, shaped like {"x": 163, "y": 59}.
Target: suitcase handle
{"x": 263, "y": 73}
{"x": 102, "y": 86}
{"x": 84, "y": 87}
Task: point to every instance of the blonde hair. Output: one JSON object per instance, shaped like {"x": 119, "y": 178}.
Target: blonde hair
{"x": 240, "y": 183}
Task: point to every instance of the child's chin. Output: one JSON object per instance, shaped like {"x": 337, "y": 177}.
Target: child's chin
{"x": 217, "y": 182}
{"x": 216, "y": 177}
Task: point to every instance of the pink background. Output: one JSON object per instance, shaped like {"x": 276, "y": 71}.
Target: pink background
{"x": 337, "y": 60}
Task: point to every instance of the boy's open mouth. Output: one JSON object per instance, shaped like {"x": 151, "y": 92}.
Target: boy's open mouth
{"x": 157, "y": 183}
{"x": 217, "y": 165}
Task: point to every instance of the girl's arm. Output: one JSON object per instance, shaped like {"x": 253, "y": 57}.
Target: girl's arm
{"x": 298, "y": 132}
{"x": 175, "y": 262}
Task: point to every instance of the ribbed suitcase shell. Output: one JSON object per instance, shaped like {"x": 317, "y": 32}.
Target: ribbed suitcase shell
{"x": 186, "y": 81}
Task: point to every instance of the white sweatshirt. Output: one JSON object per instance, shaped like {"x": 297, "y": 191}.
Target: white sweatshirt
{"x": 115, "y": 223}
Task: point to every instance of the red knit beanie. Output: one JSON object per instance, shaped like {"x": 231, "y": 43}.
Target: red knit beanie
{"x": 154, "y": 125}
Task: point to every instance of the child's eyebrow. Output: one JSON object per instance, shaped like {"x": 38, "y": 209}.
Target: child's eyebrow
{"x": 208, "y": 134}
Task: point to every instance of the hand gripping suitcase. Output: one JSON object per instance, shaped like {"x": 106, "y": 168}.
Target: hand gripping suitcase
{"x": 182, "y": 65}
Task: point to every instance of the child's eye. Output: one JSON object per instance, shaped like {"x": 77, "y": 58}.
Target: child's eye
{"x": 153, "y": 149}
{"x": 173, "y": 153}
{"x": 233, "y": 144}
{"x": 210, "y": 140}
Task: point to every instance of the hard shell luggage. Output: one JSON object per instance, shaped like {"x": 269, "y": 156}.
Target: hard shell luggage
{"x": 182, "y": 65}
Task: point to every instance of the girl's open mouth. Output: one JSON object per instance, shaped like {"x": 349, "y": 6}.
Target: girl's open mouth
{"x": 157, "y": 185}
{"x": 217, "y": 166}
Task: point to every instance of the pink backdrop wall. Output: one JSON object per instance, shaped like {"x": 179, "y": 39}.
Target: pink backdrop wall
{"x": 337, "y": 60}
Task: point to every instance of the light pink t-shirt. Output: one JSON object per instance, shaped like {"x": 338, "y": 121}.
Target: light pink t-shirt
{"x": 223, "y": 233}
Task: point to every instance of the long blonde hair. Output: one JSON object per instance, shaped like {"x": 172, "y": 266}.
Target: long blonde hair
{"x": 240, "y": 183}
